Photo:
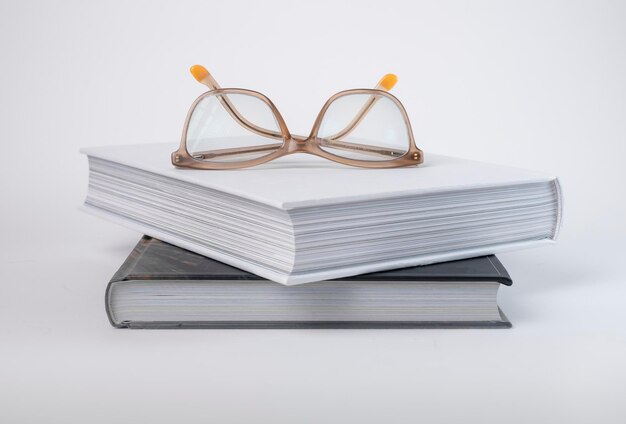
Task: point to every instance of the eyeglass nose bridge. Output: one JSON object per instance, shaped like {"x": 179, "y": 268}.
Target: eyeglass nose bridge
{"x": 302, "y": 144}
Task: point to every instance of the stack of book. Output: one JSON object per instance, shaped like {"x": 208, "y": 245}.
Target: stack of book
{"x": 304, "y": 242}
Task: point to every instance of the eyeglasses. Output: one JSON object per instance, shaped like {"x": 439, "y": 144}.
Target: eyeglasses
{"x": 230, "y": 128}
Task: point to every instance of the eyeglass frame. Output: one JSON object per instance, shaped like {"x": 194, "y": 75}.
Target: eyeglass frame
{"x": 181, "y": 158}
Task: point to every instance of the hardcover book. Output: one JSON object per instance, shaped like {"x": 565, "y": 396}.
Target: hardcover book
{"x": 164, "y": 286}
{"x": 300, "y": 219}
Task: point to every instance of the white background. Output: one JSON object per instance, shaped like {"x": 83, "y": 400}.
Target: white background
{"x": 537, "y": 84}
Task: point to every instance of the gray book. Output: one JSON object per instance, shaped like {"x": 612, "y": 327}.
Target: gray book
{"x": 163, "y": 286}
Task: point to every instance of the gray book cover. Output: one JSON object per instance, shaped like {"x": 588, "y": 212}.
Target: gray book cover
{"x": 155, "y": 260}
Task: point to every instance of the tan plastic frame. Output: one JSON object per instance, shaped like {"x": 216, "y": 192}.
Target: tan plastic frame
{"x": 297, "y": 144}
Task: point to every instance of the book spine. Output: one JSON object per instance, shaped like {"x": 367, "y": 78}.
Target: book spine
{"x": 123, "y": 274}
{"x": 559, "y": 208}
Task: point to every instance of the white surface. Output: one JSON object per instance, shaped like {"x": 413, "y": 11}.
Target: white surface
{"x": 527, "y": 84}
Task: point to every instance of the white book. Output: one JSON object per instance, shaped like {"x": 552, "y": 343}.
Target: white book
{"x": 301, "y": 219}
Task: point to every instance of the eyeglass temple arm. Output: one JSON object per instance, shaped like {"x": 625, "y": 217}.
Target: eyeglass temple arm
{"x": 362, "y": 148}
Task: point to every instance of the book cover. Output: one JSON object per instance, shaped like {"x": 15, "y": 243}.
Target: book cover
{"x": 300, "y": 220}
{"x": 153, "y": 260}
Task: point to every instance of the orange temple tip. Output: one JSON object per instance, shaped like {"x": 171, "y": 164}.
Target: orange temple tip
{"x": 199, "y": 72}
{"x": 388, "y": 81}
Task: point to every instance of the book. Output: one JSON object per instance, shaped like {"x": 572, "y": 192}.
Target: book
{"x": 302, "y": 219}
{"x": 164, "y": 286}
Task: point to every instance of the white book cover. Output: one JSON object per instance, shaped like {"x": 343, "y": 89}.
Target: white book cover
{"x": 302, "y": 181}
